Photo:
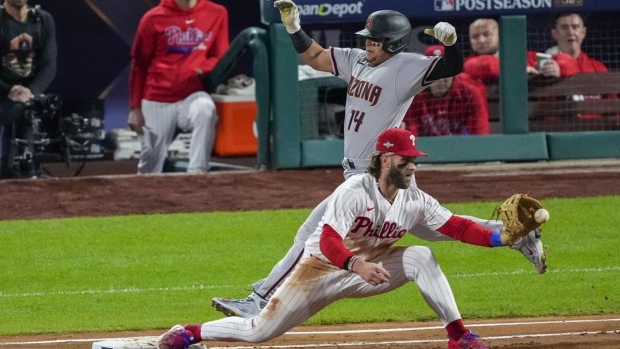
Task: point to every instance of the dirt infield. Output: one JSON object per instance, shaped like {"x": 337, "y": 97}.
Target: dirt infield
{"x": 601, "y": 332}
{"x": 230, "y": 191}
{"x": 253, "y": 190}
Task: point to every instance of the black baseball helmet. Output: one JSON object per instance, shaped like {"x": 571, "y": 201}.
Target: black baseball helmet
{"x": 391, "y": 27}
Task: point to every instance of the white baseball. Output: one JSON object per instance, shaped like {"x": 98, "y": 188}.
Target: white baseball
{"x": 541, "y": 216}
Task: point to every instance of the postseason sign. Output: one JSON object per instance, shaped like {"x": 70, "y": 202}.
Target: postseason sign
{"x": 317, "y": 11}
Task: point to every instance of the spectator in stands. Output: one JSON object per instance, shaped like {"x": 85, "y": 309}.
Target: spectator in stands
{"x": 569, "y": 59}
{"x": 176, "y": 43}
{"x": 29, "y": 52}
{"x": 449, "y": 106}
{"x": 483, "y": 62}
{"x": 569, "y": 31}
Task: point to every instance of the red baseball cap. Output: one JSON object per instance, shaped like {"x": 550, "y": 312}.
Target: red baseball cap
{"x": 398, "y": 141}
{"x": 435, "y": 50}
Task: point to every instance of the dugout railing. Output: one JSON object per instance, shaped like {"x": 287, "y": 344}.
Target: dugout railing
{"x": 563, "y": 98}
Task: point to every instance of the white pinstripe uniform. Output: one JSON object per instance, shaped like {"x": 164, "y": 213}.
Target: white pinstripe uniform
{"x": 196, "y": 113}
{"x": 377, "y": 99}
{"x": 176, "y": 43}
{"x": 370, "y": 226}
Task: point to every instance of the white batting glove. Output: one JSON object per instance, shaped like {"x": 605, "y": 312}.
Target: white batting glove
{"x": 289, "y": 13}
{"x": 443, "y": 32}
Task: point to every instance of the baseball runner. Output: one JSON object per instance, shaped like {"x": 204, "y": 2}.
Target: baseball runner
{"x": 351, "y": 253}
{"x": 382, "y": 83}
{"x": 176, "y": 42}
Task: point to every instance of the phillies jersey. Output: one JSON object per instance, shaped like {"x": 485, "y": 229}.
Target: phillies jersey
{"x": 171, "y": 45}
{"x": 377, "y": 97}
{"x": 368, "y": 223}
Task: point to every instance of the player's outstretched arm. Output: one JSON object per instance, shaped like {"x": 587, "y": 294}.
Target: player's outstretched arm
{"x": 451, "y": 63}
{"x": 310, "y": 52}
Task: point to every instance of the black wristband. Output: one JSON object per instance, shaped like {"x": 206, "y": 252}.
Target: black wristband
{"x": 348, "y": 264}
{"x": 301, "y": 41}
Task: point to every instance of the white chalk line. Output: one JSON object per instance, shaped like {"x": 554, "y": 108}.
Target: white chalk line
{"x": 116, "y": 290}
{"x": 542, "y": 172}
{"x": 424, "y": 328}
{"x": 418, "y": 341}
{"x": 384, "y": 330}
{"x": 212, "y": 287}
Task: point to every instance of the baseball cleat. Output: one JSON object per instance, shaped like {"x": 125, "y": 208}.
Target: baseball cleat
{"x": 532, "y": 248}
{"x": 468, "y": 341}
{"x": 245, "y": 308}
{"x": 176, "y": 338}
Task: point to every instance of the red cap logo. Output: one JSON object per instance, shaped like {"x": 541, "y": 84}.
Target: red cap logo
{"x": 369, "y": 23}
{"x": 398, "y": 141}
{"x": 434, "y": 50}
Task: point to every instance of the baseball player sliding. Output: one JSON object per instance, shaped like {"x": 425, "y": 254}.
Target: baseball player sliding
{"x": 382, "y": 83}
{"x": 351, "y": 254}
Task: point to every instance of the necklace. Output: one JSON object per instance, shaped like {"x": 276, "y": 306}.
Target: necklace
{"x": 391, "y": 201}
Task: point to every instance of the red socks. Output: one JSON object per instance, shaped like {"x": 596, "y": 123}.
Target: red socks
{"x": 195, "y": 330}
{"x": 456, "y": 329}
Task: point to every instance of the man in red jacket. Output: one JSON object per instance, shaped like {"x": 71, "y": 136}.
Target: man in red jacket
{"x": 176, "y": 42}
{"x": 569, "y": 59}
{"x": 483, "y": 62}
{"x": 449, "y": 106}
{"x": 569, "y": 32}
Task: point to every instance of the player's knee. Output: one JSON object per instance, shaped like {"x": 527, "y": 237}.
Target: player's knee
{"x": 202, "y": 102}
{"x": 419, "y": 257}
{"x": 206, "y": 105}
{"x": 204, "y": 111}
{"x": 260, "y": 336}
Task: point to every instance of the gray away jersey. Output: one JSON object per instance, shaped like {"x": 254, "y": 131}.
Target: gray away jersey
{"x": 377, "y": 97}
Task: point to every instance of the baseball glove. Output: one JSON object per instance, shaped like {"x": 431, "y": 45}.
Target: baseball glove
{"x": 517, "y": 213}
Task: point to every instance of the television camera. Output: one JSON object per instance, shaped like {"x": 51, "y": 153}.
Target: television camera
{"x": 41, "y": 133}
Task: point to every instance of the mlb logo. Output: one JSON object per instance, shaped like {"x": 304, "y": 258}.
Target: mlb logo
{"x": 444, "y": 5}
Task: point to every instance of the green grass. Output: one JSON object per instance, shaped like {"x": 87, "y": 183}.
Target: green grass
{"x": 144, "y": 272}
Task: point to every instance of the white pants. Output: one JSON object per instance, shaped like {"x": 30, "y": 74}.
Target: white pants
{"x": 315, "y": 284}
{"x": 266, "y": 287}
{"x": 196, "y": 113}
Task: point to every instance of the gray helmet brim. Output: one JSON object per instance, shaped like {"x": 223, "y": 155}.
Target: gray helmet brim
{"x": 364, "y": 32}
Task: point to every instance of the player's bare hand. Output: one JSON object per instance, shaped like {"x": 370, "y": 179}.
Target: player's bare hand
{"x": 135, "y": 121}
{"x": 443, "y": 32}
{"x": 372, "y": 273}
{"x": 289, "y": 13}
